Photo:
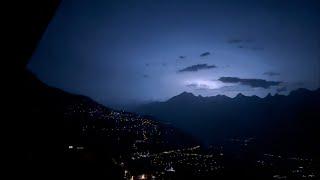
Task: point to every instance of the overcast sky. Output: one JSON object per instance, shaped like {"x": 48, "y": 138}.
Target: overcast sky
{"x": 120, "y": 52}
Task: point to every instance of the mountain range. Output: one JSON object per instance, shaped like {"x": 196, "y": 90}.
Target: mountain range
{"x": 278, "y": 121}
{"x": 55, "y": 134}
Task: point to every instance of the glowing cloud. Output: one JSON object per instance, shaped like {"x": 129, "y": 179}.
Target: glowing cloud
{"x": 204, "y": 84}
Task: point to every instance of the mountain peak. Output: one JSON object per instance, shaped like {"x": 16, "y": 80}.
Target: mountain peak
{"x": 240, "y": 95}
{"x": 183, "y": 96}
{"x": 221, "y": 96}
{"x": 184, "y": 93}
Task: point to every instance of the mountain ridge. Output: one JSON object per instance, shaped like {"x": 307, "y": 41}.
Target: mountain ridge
{"x": 240, "y": 95}
{"x": 272, "y": 118}
{"x": 56, "y": 122}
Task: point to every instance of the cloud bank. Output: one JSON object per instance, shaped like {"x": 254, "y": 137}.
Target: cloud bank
{"x": 205, "y": 54}
{"x": 250, "y": 82}
{"x": 197, "y": 67}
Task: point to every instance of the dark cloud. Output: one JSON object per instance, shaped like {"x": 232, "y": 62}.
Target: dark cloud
{"x": 197, "y": 67}
{"x": 270, "y": 73}
{"x": 250, "y": 82}
{"x": 205, "y": 54}
{"x": 244, "y": 44}
{"x": 282, "y": 89}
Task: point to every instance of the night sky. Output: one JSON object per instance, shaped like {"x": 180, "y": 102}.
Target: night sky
{"x": 120, "y": 52}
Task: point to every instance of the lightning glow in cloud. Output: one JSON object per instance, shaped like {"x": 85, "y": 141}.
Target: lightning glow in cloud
{"x": 204, "y": 84}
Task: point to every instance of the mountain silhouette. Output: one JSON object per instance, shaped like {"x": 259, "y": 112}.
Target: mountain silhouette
{"x": 56, "y": 134}
{"x": 54, "y": 120}
{"x": 278, "y": 121}
{"x": 53, "y": 133}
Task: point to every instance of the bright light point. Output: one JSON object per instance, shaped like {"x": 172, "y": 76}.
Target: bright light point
{"x": 142, "y": 176}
